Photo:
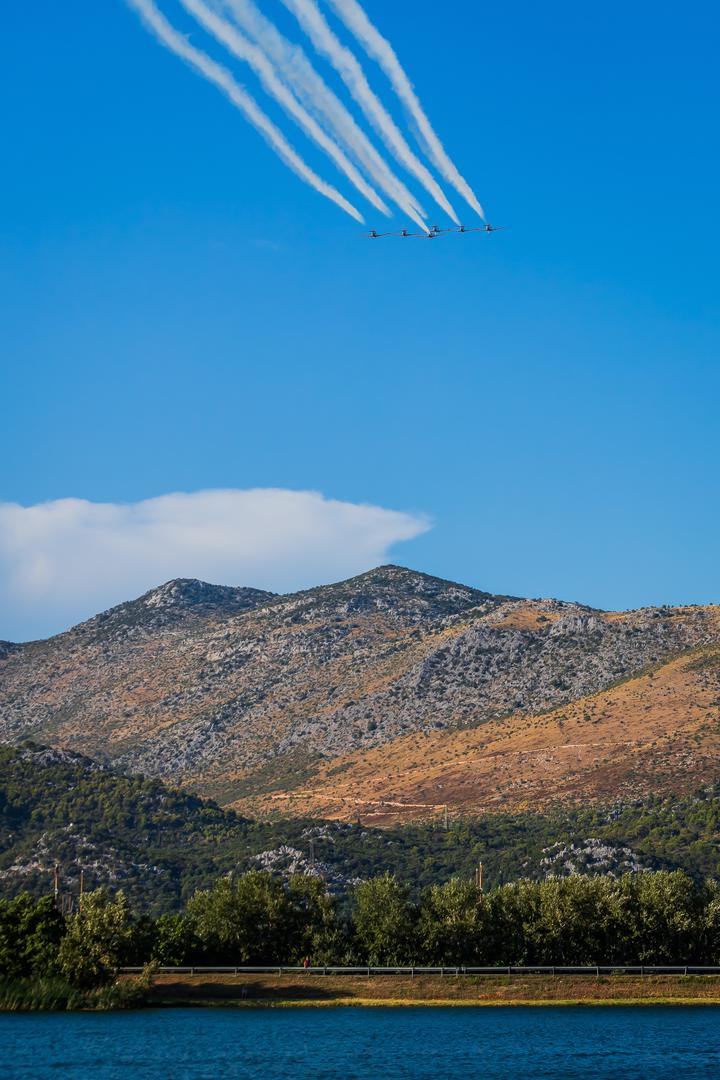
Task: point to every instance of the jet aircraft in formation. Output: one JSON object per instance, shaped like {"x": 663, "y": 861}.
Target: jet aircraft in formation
{"x": 435, "y": 231}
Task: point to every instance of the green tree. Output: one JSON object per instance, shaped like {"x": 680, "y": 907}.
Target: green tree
{"x": 662, "y": 917}
{"x": 244, "y": 920}
{"x": 710, "y": 949}
{"x": 384, "y": 922}
{"x": 30, "y": 935}
{"x": 98, "y": 940}
{"x": 174, "y": 942}
{"x": 452, "y": 924}
{"x": 577, "y": 921}
{"x": 315, "y": 930}
{"x": 513, "y": 912}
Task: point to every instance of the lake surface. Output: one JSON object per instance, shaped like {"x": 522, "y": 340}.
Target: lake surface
{"x": 359, "y": 1044}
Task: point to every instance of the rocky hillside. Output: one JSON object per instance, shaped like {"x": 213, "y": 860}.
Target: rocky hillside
{"x": 655, "y": 732}
{"x": 244, "y": 695}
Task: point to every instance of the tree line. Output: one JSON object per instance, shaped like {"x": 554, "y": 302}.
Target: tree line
{"x": 257, "y": 918}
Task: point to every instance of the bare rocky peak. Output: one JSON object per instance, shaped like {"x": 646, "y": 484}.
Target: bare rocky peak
{"x": 189, "y": 593}
{"x": 404, "y": 595}
{"x": 174, "y": 604}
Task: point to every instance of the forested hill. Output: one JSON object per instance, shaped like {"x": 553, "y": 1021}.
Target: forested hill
{"x": 160, "y": 844}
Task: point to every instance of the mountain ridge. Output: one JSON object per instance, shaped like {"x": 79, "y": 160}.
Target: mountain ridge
{"x": 240, "y": 693}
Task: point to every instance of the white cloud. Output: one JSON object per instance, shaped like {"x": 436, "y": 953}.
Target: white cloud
{"x": 62, "y": 561}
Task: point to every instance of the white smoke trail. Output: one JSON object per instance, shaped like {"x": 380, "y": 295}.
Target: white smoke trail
{"x": 317, "y": 96}
{"x": 215, "y": 73}
{"x": 315, "y": 25}
{"x": 382, "y": 51}
{"x": 239, "y": 46}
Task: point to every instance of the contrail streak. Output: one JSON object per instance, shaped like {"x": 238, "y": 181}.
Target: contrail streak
{"x": 243, "y": 49}
{"x": 316, "y": 95}
{"x": 382, "y": 51}
{"x": 315, "y": 25}
{"x": 221, "y": 77}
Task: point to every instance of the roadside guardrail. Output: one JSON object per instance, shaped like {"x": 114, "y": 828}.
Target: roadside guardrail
{"x": 285, "y": 969}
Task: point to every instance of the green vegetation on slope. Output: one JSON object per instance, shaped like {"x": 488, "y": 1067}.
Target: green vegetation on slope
{"x": 161, "y": 845}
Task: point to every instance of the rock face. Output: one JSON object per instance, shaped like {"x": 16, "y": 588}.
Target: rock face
{"x": 175, "y": 604}
{"x": 238, "y": 691}
{"x": 589, "y": 856}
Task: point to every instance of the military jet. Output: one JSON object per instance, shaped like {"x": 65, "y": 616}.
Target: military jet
{"x": 480, "y": 228}
{"x": 433, "y": 231}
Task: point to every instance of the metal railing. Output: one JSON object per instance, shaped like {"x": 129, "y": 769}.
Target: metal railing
{"x": 289, "y": 969}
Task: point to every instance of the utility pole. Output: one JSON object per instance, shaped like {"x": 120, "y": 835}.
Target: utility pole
{"x": 445, "y": 818}
{"x": 479, "y": 877}
{"x": 82, "y": 890}
{"x": 56, "y": 884}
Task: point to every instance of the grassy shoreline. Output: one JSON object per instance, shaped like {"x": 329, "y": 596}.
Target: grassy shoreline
{"x": 254, "y": 991}
{"x": 390, "y": 991}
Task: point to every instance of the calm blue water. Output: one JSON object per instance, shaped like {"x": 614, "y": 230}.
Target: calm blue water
{"x": 355, "y": 1044}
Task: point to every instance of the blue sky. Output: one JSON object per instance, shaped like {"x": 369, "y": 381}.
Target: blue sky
{"x": 179, "y": 313}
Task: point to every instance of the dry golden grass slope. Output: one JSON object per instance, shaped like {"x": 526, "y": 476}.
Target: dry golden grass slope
{"x": 657, "y": 732}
